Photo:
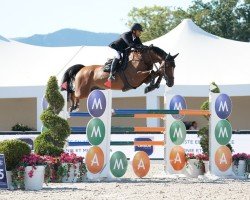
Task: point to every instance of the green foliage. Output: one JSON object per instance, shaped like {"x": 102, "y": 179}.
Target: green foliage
{"x": 204, "y": 139}
{"x": 13, "y": 150}
{"x": 153, "y": 20}
{"x": 214, "y": 88}
{"x": 21, "y": 127}
{"x": 229, "y": 19}
{"x": 205, "y": 106}
{"x": 53, "y": 138}
{"x": 46, "y": 144}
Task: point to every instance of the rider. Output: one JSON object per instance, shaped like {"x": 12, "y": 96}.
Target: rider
{"x": 127, "y": 39}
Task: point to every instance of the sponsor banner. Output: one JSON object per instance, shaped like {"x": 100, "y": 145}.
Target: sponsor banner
{"x": 240, "y": 143}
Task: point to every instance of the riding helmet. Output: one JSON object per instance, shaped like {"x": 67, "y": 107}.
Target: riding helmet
{"x": 136, "y": 26}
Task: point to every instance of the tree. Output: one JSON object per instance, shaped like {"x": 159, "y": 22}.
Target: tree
{"x": 229, "y": 19}
{"x": 56, "y": 131}
{"x": 153, "y": 19}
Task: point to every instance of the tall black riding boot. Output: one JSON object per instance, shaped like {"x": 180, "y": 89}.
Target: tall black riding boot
{"x": 113, "y": 68}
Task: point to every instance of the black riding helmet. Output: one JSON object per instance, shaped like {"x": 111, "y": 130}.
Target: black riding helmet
{"x": 136, "y": 27}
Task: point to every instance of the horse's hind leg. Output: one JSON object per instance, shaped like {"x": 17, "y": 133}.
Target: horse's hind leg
{"x": 72, "y": 101}
{"x": 74, "y": 107}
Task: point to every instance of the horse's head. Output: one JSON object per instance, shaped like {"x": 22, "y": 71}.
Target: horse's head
{"x": 167, "y": 64}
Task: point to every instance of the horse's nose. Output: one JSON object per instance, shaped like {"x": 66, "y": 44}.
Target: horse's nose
{"x": 170, "y": 83}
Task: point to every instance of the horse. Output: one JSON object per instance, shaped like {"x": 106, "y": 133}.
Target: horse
{"x": 139, "y": 70}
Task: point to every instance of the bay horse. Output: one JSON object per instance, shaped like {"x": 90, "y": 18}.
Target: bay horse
{"x": 139, "y": 70}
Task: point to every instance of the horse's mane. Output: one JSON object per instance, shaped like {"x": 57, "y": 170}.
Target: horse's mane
{"x": 159, "y": 51}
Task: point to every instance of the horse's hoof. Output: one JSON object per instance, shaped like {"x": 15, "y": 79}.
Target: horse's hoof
{"x": 146, "y": 90}
{"x": 76, "y": 109}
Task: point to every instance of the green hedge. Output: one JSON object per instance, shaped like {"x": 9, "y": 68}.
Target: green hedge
{"x": 13, "y": 151}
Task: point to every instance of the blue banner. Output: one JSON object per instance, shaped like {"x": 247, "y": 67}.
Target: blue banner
{"x": 3, "y": 177}
{"x": 145, "y": 148}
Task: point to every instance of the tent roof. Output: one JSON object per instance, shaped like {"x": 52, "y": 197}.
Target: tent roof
{"x": 28, "y": 65}
{"x": 204, "y": 57}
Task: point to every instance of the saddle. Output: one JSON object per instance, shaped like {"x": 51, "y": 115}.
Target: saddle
{"x": 122, "y": 64}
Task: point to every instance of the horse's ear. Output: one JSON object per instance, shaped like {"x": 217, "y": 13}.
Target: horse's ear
{"x": 175, "y": 55}
{"x": 151, "y": 45}
{"x": 168, "y": 56}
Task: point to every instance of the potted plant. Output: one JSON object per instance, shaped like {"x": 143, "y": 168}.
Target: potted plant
{"x": 194, "y": 165}
{"x": 72, "y": 168}
{"x": 13, "y": 151}
{"x": 32, "y": 168}
{"x": 239, "y": 163}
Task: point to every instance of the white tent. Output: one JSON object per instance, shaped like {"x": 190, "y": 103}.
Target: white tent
{"x": 205, "y": 58}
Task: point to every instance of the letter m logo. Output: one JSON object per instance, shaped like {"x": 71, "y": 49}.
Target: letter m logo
{"x": 223, "y": 132}
{"x": 177, "y": 106}
{"x": 96, "y": 104}
{"x": 118, "y": 164}
{"x": 178, "y": 133}
{"x": 223, "y": 106}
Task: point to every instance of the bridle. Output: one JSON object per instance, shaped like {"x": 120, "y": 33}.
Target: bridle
{"x": 167, "y": 62}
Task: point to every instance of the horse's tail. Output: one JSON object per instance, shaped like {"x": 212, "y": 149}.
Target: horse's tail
{"x": 69, "y": 75}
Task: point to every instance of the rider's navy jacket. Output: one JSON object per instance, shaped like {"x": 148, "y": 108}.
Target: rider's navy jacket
{"x": 125, "y": 41}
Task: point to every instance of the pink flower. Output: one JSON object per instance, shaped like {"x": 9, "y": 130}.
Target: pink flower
{"x": 70, "y": 158}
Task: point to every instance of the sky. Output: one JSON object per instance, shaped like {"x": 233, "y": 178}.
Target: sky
{"x": 23, "y": 18}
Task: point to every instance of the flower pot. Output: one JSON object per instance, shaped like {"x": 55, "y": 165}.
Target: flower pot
{"x": 206, "y": 164}
{"x": 193, "y": 168}
{"x": 72, "y": 172}
{"x": 9, "y": 180}
{"x": 240, "y": 169}
{"x": 36, "y": 181}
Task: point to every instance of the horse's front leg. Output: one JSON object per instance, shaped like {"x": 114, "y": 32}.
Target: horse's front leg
{"x": 72, "y": 102}
{"x": 153, "y": 85}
